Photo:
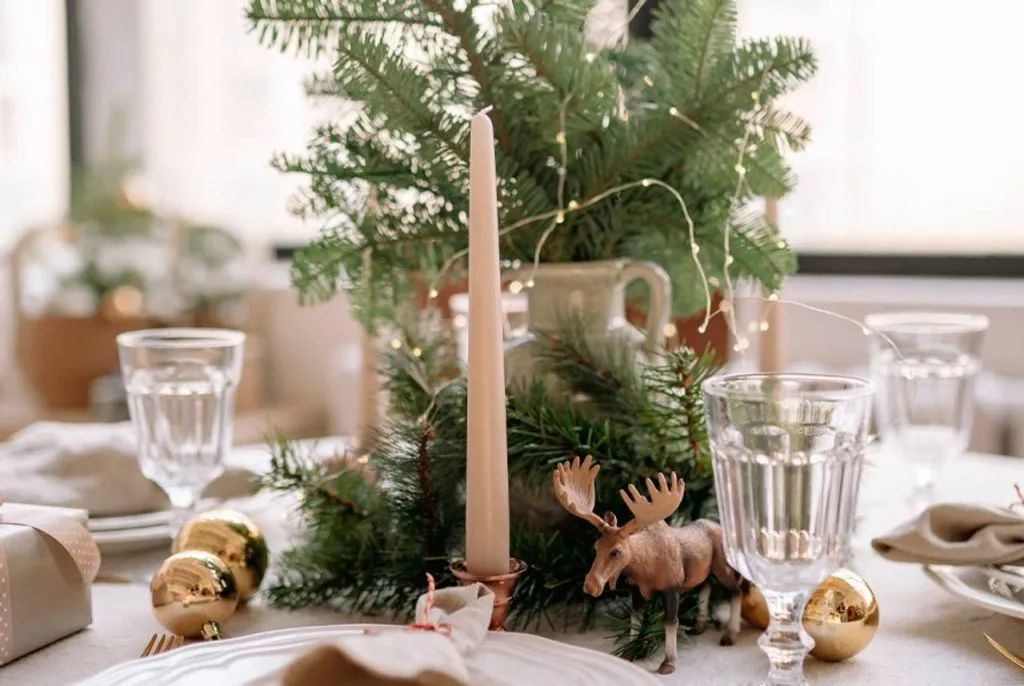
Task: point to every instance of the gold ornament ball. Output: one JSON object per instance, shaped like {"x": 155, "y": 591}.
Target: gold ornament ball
{"x": 232, "y": 537}
{"x": 754, "y": 609}
{"x": 841, "y": 615}
{"x": 193, "y": 593}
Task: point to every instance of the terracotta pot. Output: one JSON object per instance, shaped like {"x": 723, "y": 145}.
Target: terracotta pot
{"x": 688, "y": 330}
{"x": 61, "y": 356}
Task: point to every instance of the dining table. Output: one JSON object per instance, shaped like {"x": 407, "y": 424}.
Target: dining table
{"x": 925, "y": 635}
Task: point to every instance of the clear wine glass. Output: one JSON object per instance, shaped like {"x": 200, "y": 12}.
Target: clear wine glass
{"x": 181, "y": 395}
{"x": 787, "y": 452}
{"x": 924, "y": 365}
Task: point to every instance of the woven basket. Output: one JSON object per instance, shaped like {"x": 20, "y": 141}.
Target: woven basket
{"x": 61, "y": 356}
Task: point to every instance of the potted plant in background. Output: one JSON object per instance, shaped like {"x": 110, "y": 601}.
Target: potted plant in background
{"x": 113, "y": 266}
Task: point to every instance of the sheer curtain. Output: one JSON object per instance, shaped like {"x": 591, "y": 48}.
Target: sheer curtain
{"x": 33, "y": 116}
{"x": 916, "y": 124}
{"x": 217, "y": 106}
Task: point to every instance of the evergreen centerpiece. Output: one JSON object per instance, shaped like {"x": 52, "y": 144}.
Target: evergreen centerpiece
{"x": 647, "y": 152}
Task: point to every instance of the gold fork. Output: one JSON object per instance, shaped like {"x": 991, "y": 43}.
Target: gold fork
{"x": 165, "y": 643}
{"x": 1005, "y": 652}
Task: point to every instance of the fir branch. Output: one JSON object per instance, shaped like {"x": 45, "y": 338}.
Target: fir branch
{"x": 314, "y": 27}
{"x": 371, "y": 559}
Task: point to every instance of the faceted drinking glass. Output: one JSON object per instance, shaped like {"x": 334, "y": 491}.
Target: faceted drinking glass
{"x": 787, "y": 452}
{"x": 181, "y": 395}
{"x": 924, "y": 367}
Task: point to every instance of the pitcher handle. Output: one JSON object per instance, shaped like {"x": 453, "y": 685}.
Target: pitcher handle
{"x": 660, "y": 307}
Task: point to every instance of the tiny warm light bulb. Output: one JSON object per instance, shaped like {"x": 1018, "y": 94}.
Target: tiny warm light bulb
{"x": 673, "y": 111}
{"x": 460, "y": 321}
{"x": 764, "y": 326}
{"x": 695, "y": 248}
{"x": 573, "y": 205}
{"x": 702, "y": 328}
{"x": 773, "y": 297}
{"x": 646, "y": 183}
{"x": 433, "y": 293}
{"x": 726, "y": 306}
{"x": 781, "y": 245}
{"x": 865, "y": 330}
{"x": 648, "y": 80}
{"x": 755, "y": 95}
{"x": 395, "y": 343}
{"x": 590, "y": 57}
{"x": 529, "y": 284}
{"x": 560, "y": 138}
{"x": 741, "y": 345}
{"x": 560, "y": 218}
{"x": 669, "y": 330}
{"x": 515, "y": 287}
{"x": 729, "y": 259}
{"x": 713, "y": 281}
{"x": 416, "y": 352}
{"x": 740, "y": 169}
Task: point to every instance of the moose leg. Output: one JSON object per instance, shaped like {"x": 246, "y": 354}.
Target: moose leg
{"x": 703, "y": 609}
{"x": 733, "y": 627}
{"x": 668, "y": 665}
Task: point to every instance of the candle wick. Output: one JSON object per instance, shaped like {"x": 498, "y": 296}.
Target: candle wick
{"x": 485, "y": 110}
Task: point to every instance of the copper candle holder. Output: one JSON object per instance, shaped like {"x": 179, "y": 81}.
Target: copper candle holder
{"x": 500, "y": 584}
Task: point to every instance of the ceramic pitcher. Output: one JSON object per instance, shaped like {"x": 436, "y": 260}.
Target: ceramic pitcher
{"x": 593, "y": 293}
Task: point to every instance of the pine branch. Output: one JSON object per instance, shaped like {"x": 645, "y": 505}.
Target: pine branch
{"x": 314, "y": 27}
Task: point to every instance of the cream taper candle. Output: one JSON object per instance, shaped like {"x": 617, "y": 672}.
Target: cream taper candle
{"x": 487, "y": 546}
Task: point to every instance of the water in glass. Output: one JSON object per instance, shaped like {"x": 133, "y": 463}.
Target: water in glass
{"x": 183, "y": 413}
{"x": 786, "y": 509}
{"x": 181, "y": 394}
{"x": 787, "y": 453}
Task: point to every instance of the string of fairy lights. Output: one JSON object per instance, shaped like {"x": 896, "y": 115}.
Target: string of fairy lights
{"x": 710, "y": 284}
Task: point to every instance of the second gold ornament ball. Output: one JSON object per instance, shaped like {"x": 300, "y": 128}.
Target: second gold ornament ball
{"x": 841, "y": 615}
{"x": 193, "y": 593}
{"x": 232, "y": 537}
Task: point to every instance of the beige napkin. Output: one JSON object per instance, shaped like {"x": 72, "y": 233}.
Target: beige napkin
{"x": 401, "y": 657}
{"x": 92, "y": 467}
{"x": 967, "y": 535}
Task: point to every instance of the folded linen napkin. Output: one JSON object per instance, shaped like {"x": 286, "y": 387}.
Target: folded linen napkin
{"x": 452, "y": 624}
{"x": 91, "y": 467}
{"x": 968, "y": 535}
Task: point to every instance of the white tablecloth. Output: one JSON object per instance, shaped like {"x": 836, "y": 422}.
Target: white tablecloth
{"x": 925, "y": 636}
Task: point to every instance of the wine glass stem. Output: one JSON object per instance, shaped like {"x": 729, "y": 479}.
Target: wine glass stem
{"x": 183, "y": 501}
{"x": 785, "y": 642}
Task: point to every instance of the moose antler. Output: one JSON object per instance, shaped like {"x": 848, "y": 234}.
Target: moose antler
{"x": 574, "y": 488}
{"x": 665, "y": 498}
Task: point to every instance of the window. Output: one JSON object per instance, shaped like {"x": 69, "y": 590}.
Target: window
{"x": 217, "y": 105}
{"x": 33, "y": 116}
{"x": 916, "y": 118}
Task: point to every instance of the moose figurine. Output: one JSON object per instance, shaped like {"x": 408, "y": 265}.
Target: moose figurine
{"x": 655, "y": 557}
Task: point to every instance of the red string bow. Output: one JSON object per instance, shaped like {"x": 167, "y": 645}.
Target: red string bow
{"x": 424, "y": 623}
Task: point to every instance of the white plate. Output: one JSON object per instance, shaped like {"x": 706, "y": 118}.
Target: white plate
{"x": 136, "y": 521}
{"x": 132, "y": 540}
{"x": 504, "y": 659}
{"x": 971, "y": 584}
